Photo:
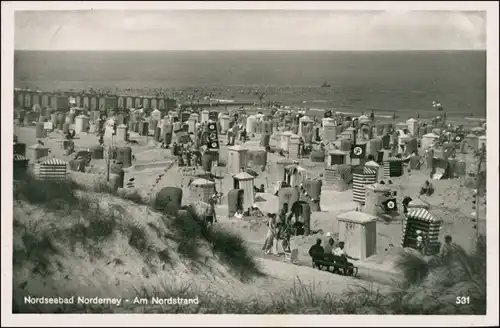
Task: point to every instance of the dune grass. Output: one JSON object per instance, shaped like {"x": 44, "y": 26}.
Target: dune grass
{"x": 135, "y": 197}
{"x": 90, "y": 217}
{"x": 50, "y": 193}
{"x": 435, "y": 282}
{"x": 430, "y": 286}
{"x": 229, "y": 248}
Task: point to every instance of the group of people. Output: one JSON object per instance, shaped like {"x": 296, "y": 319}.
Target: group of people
{"x": 187, "y": 156}
{"x": 281, "y": 228}
{"x": 236, "y": 132}
{"x": 330, "y": 248}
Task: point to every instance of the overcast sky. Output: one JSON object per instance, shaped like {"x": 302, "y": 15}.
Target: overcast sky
{"x": 249, "y": 30}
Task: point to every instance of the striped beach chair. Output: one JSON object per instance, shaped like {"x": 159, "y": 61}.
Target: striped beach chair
{"x": 362, "y": 176}
{"x": 393, "y": 167}
{"x": 51, "y": 169}
{"x": 421, "y": 222}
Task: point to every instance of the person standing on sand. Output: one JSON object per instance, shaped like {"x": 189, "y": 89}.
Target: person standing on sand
{"x": 271, "y": 231}
{"x": 212, "y": 202}
{"x": 230, "y": 137}
{"x": 446, "y": 249}
{"x": 301, "y": 147}
{"x": 236, "y": 130}
{"x": 243, "y": 135}
{"x": 285, "y": 214}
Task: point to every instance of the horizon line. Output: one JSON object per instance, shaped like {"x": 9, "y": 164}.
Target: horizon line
{"x": 247, "y": 50}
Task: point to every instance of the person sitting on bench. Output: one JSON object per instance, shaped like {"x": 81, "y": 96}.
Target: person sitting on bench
{"x": 329, "y": 246}
{"x": 339, "y": 251}
{"x": 316, "y": 250}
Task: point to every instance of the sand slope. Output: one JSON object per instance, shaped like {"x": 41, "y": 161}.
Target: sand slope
{"x": 69, "y": 253}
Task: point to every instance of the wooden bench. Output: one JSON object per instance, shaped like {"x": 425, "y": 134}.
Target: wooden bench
{"x": 335, "y": 262}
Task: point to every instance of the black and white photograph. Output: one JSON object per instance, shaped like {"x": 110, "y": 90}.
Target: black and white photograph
{"x": 250, "y": 158}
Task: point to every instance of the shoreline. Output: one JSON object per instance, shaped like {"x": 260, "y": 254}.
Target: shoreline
{"x": 314, "y": 107}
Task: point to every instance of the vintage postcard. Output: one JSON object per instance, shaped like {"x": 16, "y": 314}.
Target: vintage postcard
{"x": 250, "y": 163}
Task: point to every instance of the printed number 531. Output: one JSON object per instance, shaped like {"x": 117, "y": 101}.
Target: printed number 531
{"x": 462, "y": 300}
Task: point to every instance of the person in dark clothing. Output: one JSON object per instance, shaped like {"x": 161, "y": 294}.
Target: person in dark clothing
{"x": 405, "y": 203}
{"x": 175, "y": 149}
{"x": 259, "y": 189}
{"x": 243, "y": 135}
{"x": 297, "y": 228}
{"x": 427, "y": 189}
{"x": 214, "y": 199}
{"x": 284, "y": 235}
{"x": 315, "y": 250}
{"x": 282, "y": 213}
{"x": 285, "y": 215}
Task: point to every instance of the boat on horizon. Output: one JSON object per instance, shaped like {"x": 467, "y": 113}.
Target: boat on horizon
{"x": 326, "y": 85}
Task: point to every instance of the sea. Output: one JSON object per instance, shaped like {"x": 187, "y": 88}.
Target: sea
{"x": 402, "y": 82}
